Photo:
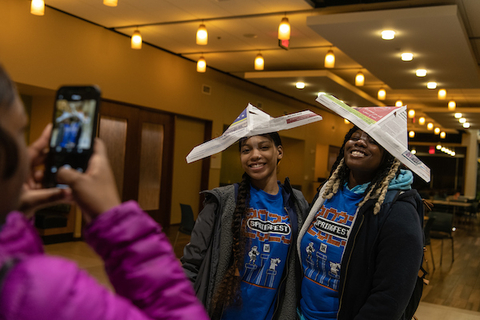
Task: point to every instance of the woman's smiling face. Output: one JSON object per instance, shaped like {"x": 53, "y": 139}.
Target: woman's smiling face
{"x": 259, "y": 157}
{"x": 363, "y": 156}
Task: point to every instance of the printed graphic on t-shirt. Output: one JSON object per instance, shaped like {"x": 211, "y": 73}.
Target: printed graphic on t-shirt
{"x": 269, "y": 235}
{"x": 331, "y": 229}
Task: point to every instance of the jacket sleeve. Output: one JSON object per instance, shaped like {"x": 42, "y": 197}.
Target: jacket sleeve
{"x": 195, "y": 251}
{"x": 398, "y": 260}
{"x": 141, "y": 265}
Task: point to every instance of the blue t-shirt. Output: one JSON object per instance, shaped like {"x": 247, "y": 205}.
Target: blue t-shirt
{"x": 268, "y": 234}
{"x": 322, "y": 249}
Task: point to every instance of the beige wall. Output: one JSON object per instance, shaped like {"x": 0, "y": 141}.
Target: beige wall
{"x": 56, "y": 49}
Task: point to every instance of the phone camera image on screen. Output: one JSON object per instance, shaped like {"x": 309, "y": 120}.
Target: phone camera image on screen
{"x": 74, "y": 128}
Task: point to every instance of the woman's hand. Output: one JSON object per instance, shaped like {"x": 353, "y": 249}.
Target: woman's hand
{"x": 95, "y": 190}
{"x": 33, "y": 196}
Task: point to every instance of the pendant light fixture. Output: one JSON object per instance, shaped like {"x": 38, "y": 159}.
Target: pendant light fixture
{"x": 430, "y": 126}
{"x": 452, "y": 105}
{"x": 411, "y": 113}
{"x": 359, "y": 79}
{"x": 411, "y": 134}
{"x": 201, "y": 65}
{"x": 443, "y": 134}
{"x": 284, "y": 29}
{"x": 421, "y": 121}
{"x": 398, "y": 103}
{"x": 136, "y": 42}
{"x": 37, "y": 7}
{"x": 110, "y": 3}
{"x": 442, "y": 94}
{"x": 202, "y": 35}
{"x": 330, "y": 59}
{"x": 382, "y": 94}
{"x": 259, "y": 62}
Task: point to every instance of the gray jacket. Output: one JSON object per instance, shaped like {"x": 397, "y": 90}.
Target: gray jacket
{"x": 207, "y": 256}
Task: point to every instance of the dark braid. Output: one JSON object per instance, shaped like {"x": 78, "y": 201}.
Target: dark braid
{"x": 8, "y": 146}
{"x": 388, "y": 169}
{"x": 228, "y": 292}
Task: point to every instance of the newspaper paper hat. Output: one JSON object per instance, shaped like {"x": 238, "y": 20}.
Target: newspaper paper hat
{"x": 387, "y": 125}
{"x": 251, "y": 122}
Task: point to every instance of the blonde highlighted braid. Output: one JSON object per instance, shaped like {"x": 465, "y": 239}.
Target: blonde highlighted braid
{"x": 377, "y": 188}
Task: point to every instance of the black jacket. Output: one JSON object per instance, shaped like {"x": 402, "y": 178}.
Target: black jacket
{"x": 381, "y": 260}
{"x": 207, "y": 256}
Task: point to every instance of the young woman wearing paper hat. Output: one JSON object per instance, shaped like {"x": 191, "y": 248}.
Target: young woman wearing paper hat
{"x": 242, "y": 257}
{"x": 361, "y": 253}
{"x": 140, "y": 262}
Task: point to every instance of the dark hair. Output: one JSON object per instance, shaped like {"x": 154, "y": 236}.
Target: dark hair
{"x": 8, "y": 146}
{"x": 388, "y": 169}
{"x": 228, "y": 292}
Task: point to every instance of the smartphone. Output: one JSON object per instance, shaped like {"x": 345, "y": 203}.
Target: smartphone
{"x": 75, "y": 116}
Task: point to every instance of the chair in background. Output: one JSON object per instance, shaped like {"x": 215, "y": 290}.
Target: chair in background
{"x": 442, "y": 228}
{"x": 187, "y": 223}
{"x": 428, "y": 242}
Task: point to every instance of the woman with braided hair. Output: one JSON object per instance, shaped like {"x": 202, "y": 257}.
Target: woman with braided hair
{"x": 359, "y": 260}
{"x": 241, "y": 257}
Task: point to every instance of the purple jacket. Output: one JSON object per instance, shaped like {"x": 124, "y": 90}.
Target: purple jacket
{"x": 139, "y": 260}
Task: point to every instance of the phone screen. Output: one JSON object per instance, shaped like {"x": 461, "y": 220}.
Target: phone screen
{"x": 74, "y": 128}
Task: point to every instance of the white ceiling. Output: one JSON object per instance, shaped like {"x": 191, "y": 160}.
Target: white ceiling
{"x": 443, "y": 35}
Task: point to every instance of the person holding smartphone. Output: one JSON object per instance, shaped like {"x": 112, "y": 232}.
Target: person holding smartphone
{"x": 148, "y": 280}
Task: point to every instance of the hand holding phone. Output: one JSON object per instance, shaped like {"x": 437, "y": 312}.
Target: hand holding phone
{"x": 74, "y": 121}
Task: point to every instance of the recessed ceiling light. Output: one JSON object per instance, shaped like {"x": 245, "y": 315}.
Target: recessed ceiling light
{"x": 421, "y": 72}
{"x": 300, "y": 85}
{"x": 388, "y": 34}
{"x": 431, "y": 85}
{"x": 407, "y": 56}
{"x": 462, "y": 120}
{"x": 458, "y": 115}
{"x": 466, "y": 125}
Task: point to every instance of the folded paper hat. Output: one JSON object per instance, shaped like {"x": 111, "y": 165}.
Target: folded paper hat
{"x": 387, "y": 125}
{"x": 251, "y": 122}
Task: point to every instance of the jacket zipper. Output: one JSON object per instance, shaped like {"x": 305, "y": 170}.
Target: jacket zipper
{"x": 348, "y": 264}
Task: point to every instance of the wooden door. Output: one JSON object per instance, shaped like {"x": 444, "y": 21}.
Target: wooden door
{"x": 140, "y": 148}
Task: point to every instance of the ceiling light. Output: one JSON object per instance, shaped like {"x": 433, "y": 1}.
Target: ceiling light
{"x": 430, "y": 126}
{"x": 359, "y": 79}
{"x": 136, "y": 42}
{"x": 439, "y": 146}
{"x": 329, "y": 59}
{"x": 284, "y": 29}
{"x": 442, "y": 94}
{"x": 431, "y": 85}
{"x": 37, "y": 7}
{"x": 382, "y": 94}
{"x": 413, "y": 151}
{"x": 443, "y": 134}
{"x": 466, "y": 125}
{"x": 421, "y": 72}
{"x": 300, "y": 85}
{"x": 437, "y": 130}
{"x": 110, "y": 3}
{"x": 388, "y": 34}
{"x": 452, "y": 105}
{"x": 411, "y": 113}
{"x": 421, "y": 121}
{"x": 201, "y": 65}
{"x": 259, "y": 62}
{"x": 202, "y": 35}
{"x": 458, "y": 115}
{"x": 411, "y": 134}
{"x": 462, "y": 120}
{"x": 399, "y": 103}
{"x": 407, "y": 56}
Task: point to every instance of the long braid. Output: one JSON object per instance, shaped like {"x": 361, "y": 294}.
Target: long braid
{"x": 228, "y": 292}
